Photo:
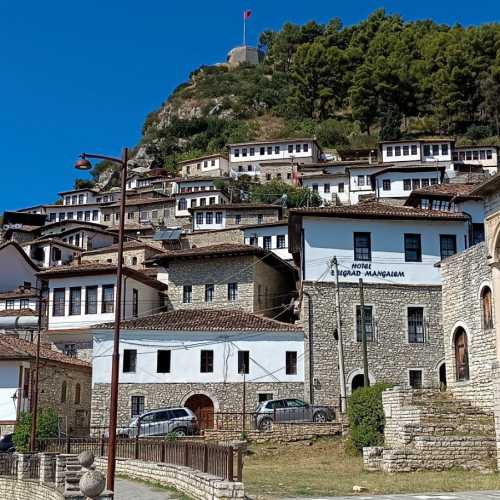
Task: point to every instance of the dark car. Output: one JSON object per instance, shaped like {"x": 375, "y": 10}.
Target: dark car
{"x": 6, "y": 444}
{"x": 290, "y": 410}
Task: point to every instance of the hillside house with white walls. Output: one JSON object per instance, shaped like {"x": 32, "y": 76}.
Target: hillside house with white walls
{"x": 223, "y": 216}
{"x": 246, "y": 158}
{"x": 394, "y": 250}
{"x": 150, "y": 181}
{"x": 198, "y": 359}
{"x": 329, "y": 180}
{"x": 216, "y": 165}
{"x": 417, "y": 151}
{"x": 272, "y": 236}
{"x": 48, "y": 252}
{"x": 400, "y": 181}
{"x": 485, "y": 156}
{"x": 360, "y": 181}
{"x": 84, "y": 295}
{"x": 17, "y": 268}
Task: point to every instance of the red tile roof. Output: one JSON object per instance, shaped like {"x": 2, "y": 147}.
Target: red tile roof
{"x": 204, "y": 320}
{"x": 377, "y": 210}
{"x": 14, "y": 348}
{"x": 128, "y": 245}
{"x": 18, "y": 294}
{"x": 449, "y": 189}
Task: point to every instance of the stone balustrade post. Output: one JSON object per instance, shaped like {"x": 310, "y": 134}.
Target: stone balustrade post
{"x": 23, "y": 464}
{"x": 48, "y": 468}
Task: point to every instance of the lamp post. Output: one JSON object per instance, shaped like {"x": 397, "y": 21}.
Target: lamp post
{"x": 84, "y": 164}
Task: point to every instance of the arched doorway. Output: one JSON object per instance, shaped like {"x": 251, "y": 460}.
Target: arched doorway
{"x": 203, "y": 407}
{"x": 461, "y": 354}
{"x": 357, "y": 382}
{"x": 442, "y": 377}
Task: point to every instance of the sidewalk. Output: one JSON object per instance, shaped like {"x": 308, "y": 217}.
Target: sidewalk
{"x": 479, "y": 495}
{"x": 132, "y": 490}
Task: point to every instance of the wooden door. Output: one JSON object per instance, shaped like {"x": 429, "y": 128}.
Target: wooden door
{"x": 461, "y": 355}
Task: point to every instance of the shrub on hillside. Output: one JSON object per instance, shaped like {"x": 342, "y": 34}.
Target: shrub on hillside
{"x": 366, "y": 416}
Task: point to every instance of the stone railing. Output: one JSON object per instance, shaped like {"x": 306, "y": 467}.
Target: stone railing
{"x": 195, "y": 484}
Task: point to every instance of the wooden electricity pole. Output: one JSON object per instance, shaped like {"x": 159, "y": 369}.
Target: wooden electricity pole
{"x": 366, "y": 381}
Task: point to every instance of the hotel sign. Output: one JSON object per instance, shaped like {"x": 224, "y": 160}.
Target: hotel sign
{"x": 364, "y": 270}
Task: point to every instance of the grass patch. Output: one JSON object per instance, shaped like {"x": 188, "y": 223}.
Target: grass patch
{"x": 156, "y": 486}
{"x": 325, "y": 468}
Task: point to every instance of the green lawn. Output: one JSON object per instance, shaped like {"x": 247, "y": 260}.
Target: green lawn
{"x": 323, "y": 468}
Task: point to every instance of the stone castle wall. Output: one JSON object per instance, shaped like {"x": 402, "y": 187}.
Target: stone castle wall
{"x": 390, "y": 355}
{"x": 463, "y": 276}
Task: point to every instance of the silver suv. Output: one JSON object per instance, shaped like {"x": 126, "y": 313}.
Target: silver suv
{"x": 290, "y": 410}
{"x": 180, "y": 421}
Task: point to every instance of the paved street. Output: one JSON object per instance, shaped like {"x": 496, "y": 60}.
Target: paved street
{"x": 131, "y": 490}
{"x": 480, "y": 495}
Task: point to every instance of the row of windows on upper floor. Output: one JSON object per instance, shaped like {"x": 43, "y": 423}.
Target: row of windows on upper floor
{"x": 199, "y": 165}
{"x": 17, "y": 303}
{"x": 479, "y": 154}
{"x": 267, "y": 241}
{"x": 182, "y": 203}
{"x": 107, "y": 303}
{"x": 84, "y": 215}
{"x": 407, "y": 150}
{"x": 208, "y": 218}
{"x": 187, "y": 293}
{"x": 164, "y": 361}
{"x": 268, "y": 176}
{"x": 196, "y": 189}
{"x": 81, "y": 199}
{"x": 144, "y": 215}
{"x": 412, "y": 246}
{"x": 269, "y": 150}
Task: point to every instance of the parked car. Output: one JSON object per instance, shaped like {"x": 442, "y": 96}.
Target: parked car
{"x": 6, "y": 444}
{"x": 290, "y": 410}
{"x": 163, "y": 421}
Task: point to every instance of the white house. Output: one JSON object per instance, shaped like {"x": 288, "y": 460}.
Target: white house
{"x": 400, "y": 181}
{"x": 19, "y": 299}
{"x": 83, "y": 295}
{"x": 16, "y": 267}
{"x": 330, "y": 181}
{"x": 48, "y": 252}
{"x": 486, "y": 156}
{"x": 271, "y": 236}
{"x": 416, "y": 151}
{"x": 360, "y": 180}
{"x": 393, "y": 249}
{"x": 199, "y": 359}
{"x": 216, "y": 165}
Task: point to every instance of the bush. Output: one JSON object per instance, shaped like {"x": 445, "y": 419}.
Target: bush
{"x": 47, "y": 426}
{"x": 478, "y": 132}
{"x": 366, "y": 416}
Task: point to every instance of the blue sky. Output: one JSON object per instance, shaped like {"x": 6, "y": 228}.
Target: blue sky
{"x": 82, "y": 75}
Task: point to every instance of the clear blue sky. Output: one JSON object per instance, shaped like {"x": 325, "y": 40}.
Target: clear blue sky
{"x": 82, "y": 75}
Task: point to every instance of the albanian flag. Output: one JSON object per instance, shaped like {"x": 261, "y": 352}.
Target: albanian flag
{"x": 247, "y": 14}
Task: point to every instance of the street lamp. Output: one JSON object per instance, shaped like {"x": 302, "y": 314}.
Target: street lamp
{"x": 84, "y": 164}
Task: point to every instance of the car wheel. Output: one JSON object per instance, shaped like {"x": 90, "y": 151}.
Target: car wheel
{"x": 181, "y": 432}
{"x": 320, "y": 417}
{"x": 266, "y": 424}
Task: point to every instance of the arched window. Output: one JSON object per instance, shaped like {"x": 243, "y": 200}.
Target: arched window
{"x": 134, "y": 261}
{"x": 78, "y": 391}
{"x": 486, "y": 308}
{"x": 63, "y": 392}
{"x": 461, "y": 355}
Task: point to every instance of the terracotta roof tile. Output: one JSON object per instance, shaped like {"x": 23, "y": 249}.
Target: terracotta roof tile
{"x": 449, "y": 189}
{"x": 128, "y": 245}
{"x": 376, "y": 210}
{"x": 14, "y": 348}
{"x": 204, "y": 320}
{"x": 18, "y": 312}
{"x": 18, "y": 294}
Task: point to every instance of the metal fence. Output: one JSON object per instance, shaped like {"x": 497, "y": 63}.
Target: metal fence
{"x": 221, "y": 461}
{"x": 8, "y": 464}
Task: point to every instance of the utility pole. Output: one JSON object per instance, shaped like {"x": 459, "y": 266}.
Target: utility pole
{"x": 363, "y": 334}
{"x": 34, "y": 405}
{"x": 244, "y": 395}
{"x": 340, "y": 348}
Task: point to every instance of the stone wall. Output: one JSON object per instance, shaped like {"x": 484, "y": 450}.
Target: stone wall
{"x": 430, "y": 430}
{"x": 198, "y": 485}
{"x": 226, "y": 397}
{"x": 111, "y": 257}
{"x": 77, "y": 415}
{"x": 390, "y": 355}
{"x": 249, "y": 216}
{"x": 463, "y": 276}
{"x": 13, "y": 489}
{"x": 280, "y": 433}
{"x": 216, "y": 237}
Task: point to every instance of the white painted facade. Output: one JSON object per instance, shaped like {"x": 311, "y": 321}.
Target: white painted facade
{"x": 204, "y": 220}
{"x": 298, "y": 150}
{"x": 90, "y": 212}
{"x": 397, "y": 184}
{"x": 18, "y": 303}
{"x": 271, "y": 237}
{"x": 148, "y": 301}
{"x": 15, "y": 268}
{"x": 487, "y": 156}
{"x": 360, "y": 182}
{"x": 217, "y": 165}
{"x": 11, "y": 395}
{"x": 187, "y": 200}
{"x": 326, "y": 237}
{"x": 329, "y": 187}
{"x": 48, "y": 254}
{"x": 267, "y": 356}
{"x": 417, "y": 151}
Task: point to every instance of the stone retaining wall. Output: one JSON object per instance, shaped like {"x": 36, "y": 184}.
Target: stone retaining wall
{"x": 281, "y": 433}
{"x": 12, "y": 489}
{"x": 198, "y": 485}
